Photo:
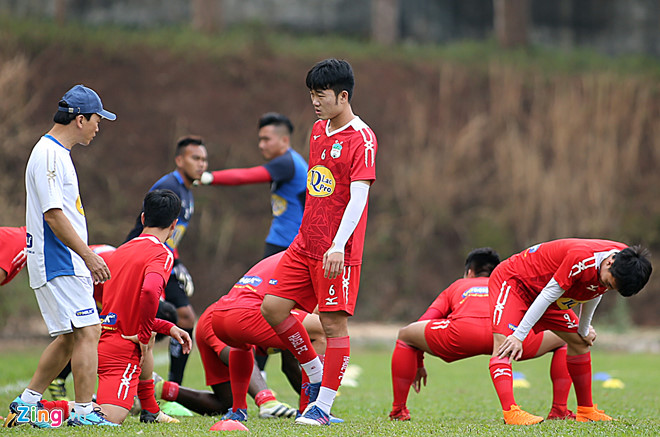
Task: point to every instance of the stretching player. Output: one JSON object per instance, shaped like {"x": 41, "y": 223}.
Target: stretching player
{"x": 285, "y": 171}
{"x": 191, "y": 162}
{"x": 322, "y": 265}
{"x": 141, "y": 268}
{"x": 237, "y": 315}
{"x": 537, "y": 289}
{"x": 457, "y": 326}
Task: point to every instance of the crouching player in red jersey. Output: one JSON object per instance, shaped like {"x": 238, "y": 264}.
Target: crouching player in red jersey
{"x": 322, "y": 265}
{"x": 537, "y": 289}
{"x": 456, "y": 326}
{"x": 141, "y": 268}
{"x": 226, "y": 333}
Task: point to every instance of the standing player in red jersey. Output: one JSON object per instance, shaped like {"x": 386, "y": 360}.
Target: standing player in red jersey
{"x": 322, "y": 265}
{"x": 12, "y": 252}
{"x": 457, "y": 326}
{"x": 537, "y": 289}
{"x": 141, "y": 268}
{"x": 239, "y": 322}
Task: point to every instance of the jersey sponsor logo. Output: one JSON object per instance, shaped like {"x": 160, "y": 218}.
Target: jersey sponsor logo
{"x": 581, "y": 266}
{"x": 532, "y": 249}
{"x": 28, "y": 240}
{"x": 566, "y": 303}
{"x": 475, "y": 291}
{"x": 79, "y": 206}
{"x": 272, "y": 282}
{"x": 442, "y": 324}
{"x": 278, "y": 205}
{"x": 254, "y": 281}
{"x": 109, "y": 319}
{"x": 85, "y": 312}
{"x": 512, "y": 327}
{"x": 335, "y": 152}
{"x": 320, "y": 181}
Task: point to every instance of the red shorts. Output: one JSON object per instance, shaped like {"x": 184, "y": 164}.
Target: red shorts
{"x": 210, "y": 346}
{"x": 508, "y": 309}
{"x": 118, "y": 371}
{"x": 243, "y": 327}
{"x": 300, "y": 278}
{"x": 453, "y": 340}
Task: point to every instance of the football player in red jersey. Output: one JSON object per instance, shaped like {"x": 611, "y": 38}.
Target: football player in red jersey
{"x": 12, "y": 252}
{"x": 141, "y": 268}
{"x": 537, "y": 289}
{"x": 457, "y": 326}
{"x": 225, "y": 335}
{"x": 322, "y": 265}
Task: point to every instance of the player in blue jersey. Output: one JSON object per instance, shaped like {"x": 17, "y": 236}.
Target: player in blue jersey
{"x": 286, "y": 171}
{"x": 191, "y": 162}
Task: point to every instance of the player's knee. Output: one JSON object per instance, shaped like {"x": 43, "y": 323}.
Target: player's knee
{"x": 186, "y": 317}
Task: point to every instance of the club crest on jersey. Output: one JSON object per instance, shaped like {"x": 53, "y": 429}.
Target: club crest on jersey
{"x": 320, "y": 181}
{"x": 278, "y": 205}
{"x": 336, "y": 150}
{"x": 109, "y": 319}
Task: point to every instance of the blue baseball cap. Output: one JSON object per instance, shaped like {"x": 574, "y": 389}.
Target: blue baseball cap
{"x": 83, "y": 100}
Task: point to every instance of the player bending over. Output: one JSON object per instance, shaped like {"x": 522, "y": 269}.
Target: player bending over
{"x": 457, "y": 326}
{"x": 537, "y": 288}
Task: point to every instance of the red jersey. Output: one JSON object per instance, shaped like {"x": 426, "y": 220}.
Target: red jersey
{"x": 574, "y": 263}
{"x": 12, "y": 253}
{"x": 250, "y": 290}
{"x": 129, "y": 265}
{"x": 466, "y": 297}
{"x": 335, "y": 160}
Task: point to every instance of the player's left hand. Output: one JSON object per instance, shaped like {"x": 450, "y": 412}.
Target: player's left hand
{"x": 512, "y": 347}
{"x": 182, "y": 337}
{"x": 420, "y": 378}
{"x": 333, "y": 263}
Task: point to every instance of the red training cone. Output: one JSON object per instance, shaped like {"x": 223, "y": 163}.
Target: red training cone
{"x": 229, "y": 425}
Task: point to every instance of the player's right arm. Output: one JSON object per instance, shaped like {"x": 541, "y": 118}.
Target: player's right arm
{"x": 237, "y": 176}
{"x": 63, "y": 230}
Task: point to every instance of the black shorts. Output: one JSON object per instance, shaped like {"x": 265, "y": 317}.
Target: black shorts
{"x": 175, "y": 294}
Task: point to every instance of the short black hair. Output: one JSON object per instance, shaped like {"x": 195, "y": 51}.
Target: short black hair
{"x": 276, "y": 119}
{"x": 631, "y": 269}
{"x": 482, "y": 261}
{"x": 161, "y": 208}
{"x": 187, "y": 140}
{"x": 65, "y": 118}
{"x": 333, "y": 74}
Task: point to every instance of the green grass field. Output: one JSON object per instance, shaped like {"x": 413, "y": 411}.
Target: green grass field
{"x": 459, "y": 399}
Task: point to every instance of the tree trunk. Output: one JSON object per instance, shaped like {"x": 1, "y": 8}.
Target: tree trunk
{"x": 207, "y": 15}
{"x": 511, "y": 22}
{"x": 385, "y": 21}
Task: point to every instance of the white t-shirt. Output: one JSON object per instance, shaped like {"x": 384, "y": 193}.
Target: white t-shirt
{"x": 51, "y": 182}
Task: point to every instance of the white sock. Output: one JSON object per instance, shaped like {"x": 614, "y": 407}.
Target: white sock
{"x": 30, "y": 396}
{"x": 82, "y": 409}
{"x": 314, "y": 370}
{"x": 326, "y": 399}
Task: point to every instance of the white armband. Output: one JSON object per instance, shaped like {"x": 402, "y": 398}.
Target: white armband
{"x": 550, "y": 293}
{"x": 352, "y": 214}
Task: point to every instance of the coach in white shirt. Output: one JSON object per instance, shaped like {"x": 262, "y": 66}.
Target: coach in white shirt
{"x": 62, "y": 268}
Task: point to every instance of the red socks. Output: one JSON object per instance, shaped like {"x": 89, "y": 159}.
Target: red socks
{"x": 146, "y": 395}
{"x": 404, "y": 369}
{"x": 264, "y": 396}
{"x": 61, "y": 405}
{"x": 502, "y": 376}
{"x": 561, "y": 379}
{"x": 241, "y": 364}
{"x": 295, "y": 338}
{"x": 579, "y": 367}
{"x": 337, "y": 354}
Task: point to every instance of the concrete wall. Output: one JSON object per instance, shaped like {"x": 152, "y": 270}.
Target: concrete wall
{"x": 610, "y": 26}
